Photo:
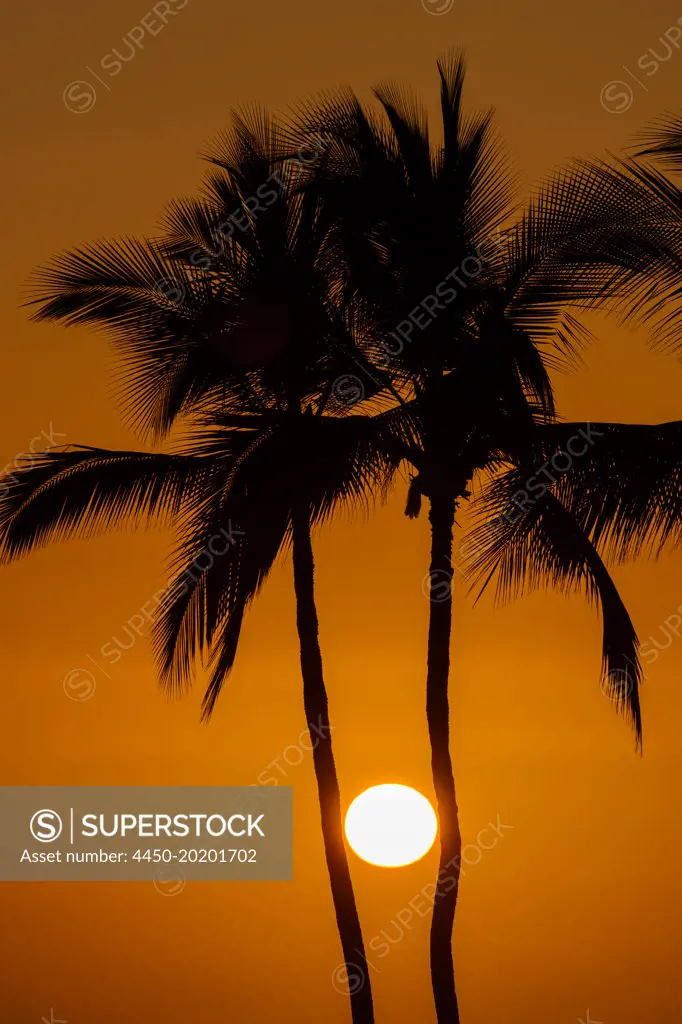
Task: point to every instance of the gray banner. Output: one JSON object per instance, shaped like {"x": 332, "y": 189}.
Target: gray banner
{"x": 168, "y": 834}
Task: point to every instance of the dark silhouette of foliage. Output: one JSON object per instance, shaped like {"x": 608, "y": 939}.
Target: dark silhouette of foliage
{"x": 347, "y": 247}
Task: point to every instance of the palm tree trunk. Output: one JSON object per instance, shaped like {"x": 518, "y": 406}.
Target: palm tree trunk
{"x": 442, "y": 517}
{"x": 356, "y": 979}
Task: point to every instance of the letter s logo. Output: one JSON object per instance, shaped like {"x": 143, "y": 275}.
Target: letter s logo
{"x": 46, "y": 826}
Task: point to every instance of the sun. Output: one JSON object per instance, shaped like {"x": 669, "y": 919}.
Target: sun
{"x": 391, "y": 825}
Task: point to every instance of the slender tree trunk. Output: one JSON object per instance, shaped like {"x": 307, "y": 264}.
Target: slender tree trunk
{"x": 441, "y": 517}
{"x": 354, "y": 978}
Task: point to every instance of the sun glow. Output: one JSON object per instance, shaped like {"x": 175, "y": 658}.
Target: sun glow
{"x": 391, "y": 825}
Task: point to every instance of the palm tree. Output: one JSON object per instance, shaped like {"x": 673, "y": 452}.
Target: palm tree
{"x": 233, "y": 338}
{"x": 464, "y": 314}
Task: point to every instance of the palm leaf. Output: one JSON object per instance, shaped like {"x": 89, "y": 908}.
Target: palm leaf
{"x": 663, "y": 140}
{"x": 545, "y": 546}
{"x": 625, "y": 487}
{"x": 84, "y": 491}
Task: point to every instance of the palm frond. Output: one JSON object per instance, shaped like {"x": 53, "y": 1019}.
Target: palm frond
{"x": 607, "y": 236}
{"x": 663, "y": 140}
{"x": 625, "y": 486}
{"x": 544, "y": 545}
{"x": 84, "y": 491}
{"x": 326, "y": 462}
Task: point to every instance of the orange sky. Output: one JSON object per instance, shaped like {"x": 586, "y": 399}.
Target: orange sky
{"x": 577, "y": 906}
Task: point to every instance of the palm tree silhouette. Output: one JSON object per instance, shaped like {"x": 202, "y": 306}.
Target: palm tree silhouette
{"x": 295, "y": 275}
{"x": 468, "y": 321}
{"x": 233, "y": 337}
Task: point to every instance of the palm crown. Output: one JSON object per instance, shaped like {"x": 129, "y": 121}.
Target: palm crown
{"x": 236, "y": 341}
{"x": 474, "y": 362}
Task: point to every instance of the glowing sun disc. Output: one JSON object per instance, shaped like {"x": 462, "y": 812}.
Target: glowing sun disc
{"x": 391, "y": 825}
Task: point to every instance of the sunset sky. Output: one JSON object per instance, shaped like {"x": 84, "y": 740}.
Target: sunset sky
{"x": 577, "y": 906}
